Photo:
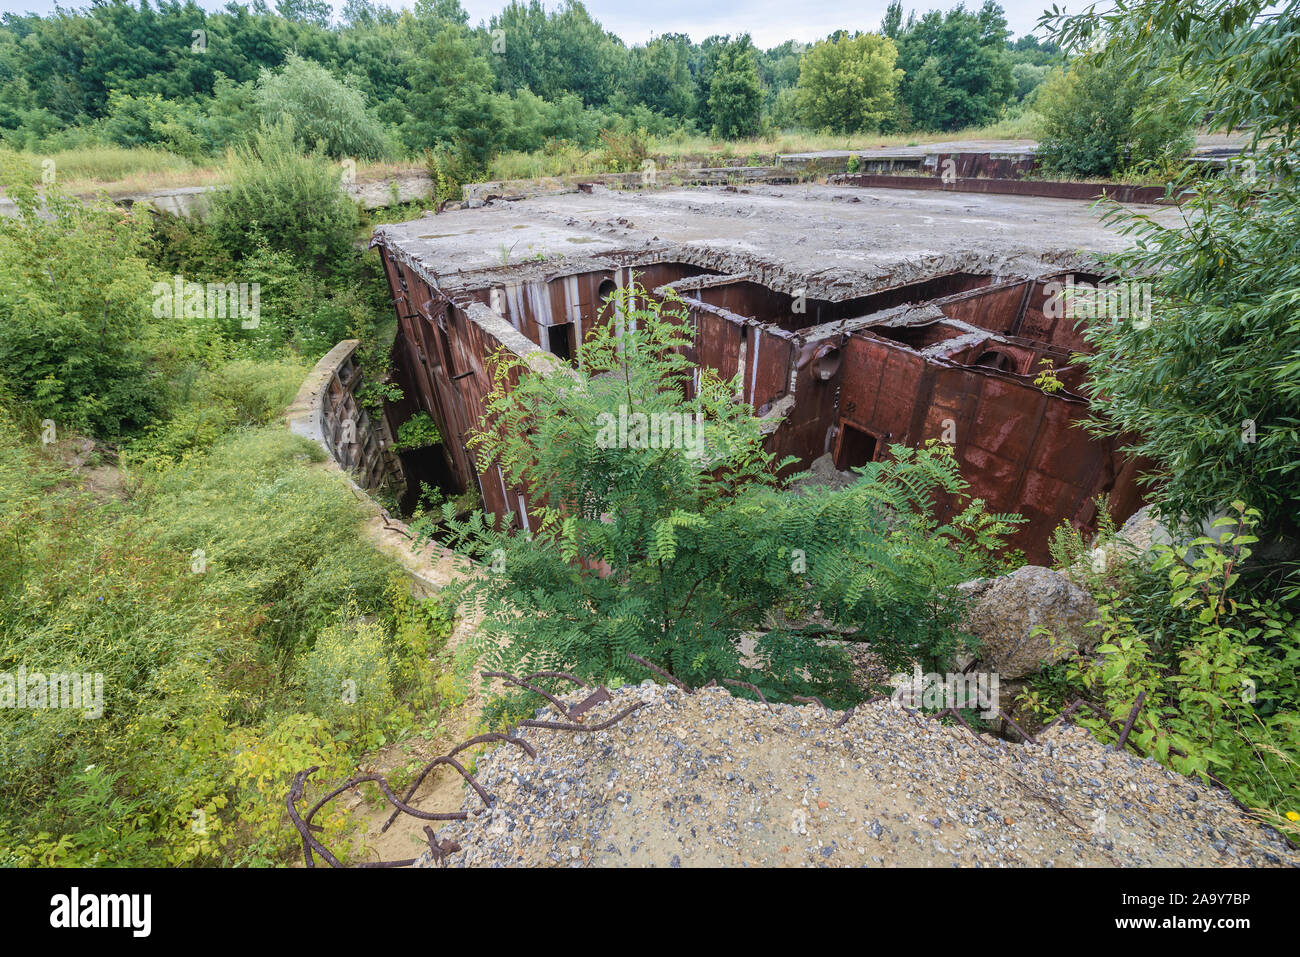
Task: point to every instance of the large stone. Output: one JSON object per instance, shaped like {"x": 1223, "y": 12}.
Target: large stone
{"x": 1004, "y": 614}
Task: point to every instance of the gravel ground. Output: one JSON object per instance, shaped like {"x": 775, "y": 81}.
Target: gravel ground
{"x": 713, "y": 780}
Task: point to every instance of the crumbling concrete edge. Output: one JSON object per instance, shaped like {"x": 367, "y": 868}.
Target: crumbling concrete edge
{"x": 305, "y": 417}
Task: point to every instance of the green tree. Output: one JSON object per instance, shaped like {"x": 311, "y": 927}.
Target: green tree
{"x": 1211, "y": 386}
{"x": 1097, "y": 118}
{"x": 450, "y": 103}
{"x": 278, "y": 198}
{"x": 325, "y": 111}
{"x": 670, "y": 535}
{"x": 967, "y": 53}
{"x": 735, "y": 95}
{"x": 662, "y": 74}
{"x": 848, "y": 84}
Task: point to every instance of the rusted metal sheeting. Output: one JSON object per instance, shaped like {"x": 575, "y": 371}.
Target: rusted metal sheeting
{"x": 1011, "y": 165}
{"x": 1021, "y": 450}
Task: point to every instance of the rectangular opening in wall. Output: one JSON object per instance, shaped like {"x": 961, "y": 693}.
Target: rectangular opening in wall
{"x": 857, "y": 447}
{"x": 559, "y": 340}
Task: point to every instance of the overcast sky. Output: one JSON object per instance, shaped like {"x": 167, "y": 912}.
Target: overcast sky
{"x": 769, "y": 22}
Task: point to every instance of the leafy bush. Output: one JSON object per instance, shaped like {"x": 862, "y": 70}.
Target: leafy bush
{"x": 75, "y": 315}
{"x": 239, "y": 393}
{"x": 624, "y": 152}
{"x": 272, "y": 532}
{"x": 848, "y": 84}
{"x": 417, "y": 432}
{"x": 347, "y": 674}
{"x": 1220, "y": 669}
{"x": 450, "y": 169}
{"x": 326, "y": 113}
{"x": 290, "y": 202}
{"x": 1098, "y": 119}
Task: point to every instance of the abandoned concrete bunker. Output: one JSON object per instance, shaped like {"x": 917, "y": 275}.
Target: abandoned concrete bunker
{"x": 857, "y": 318}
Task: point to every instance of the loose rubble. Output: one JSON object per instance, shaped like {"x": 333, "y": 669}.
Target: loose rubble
{"x": 709, "y": 779}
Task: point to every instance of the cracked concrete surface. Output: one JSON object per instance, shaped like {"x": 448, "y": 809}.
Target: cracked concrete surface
{"x": 835, "y": 242}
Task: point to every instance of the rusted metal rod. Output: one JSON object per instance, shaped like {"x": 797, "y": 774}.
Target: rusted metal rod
{"x": 659, "y": 671}
{"x": 1132, "y": 716}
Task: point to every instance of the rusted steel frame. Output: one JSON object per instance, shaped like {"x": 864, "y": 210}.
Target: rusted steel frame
{"x": 527, "y": 686}
{"x": 659, "y": 671}
{"x": 599, "y": 696}
{"x": 737, "y": 683}
{"x": 560, "y": 726}
{"x": 962, "y": 721}
{"x": 400, "y": 804}
{"x": 911, "y": 714}
{"x": 305, "y": 827}
{"x": 440, "y": 850}
{"x": 1132, "y": 716}
{"x": 1064, "y": 715}
{"x": 437, "y": 762}
{"x": 1105, "y": 718}
{"x": 853, "y": 710}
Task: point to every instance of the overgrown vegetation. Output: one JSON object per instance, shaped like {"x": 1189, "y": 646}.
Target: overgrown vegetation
{"x": 206, "y": 569}
{"x": 389, "y": 84}
{"x": 1208, "y": 389}
{"x": 1217, "y": 659}
{"x": 678, "y": 548}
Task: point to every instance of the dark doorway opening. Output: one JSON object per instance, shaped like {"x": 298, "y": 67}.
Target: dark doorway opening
{"x": 426, "y": 468}
{"x": 857, "y": 448}
{"x": 559, "y": 340}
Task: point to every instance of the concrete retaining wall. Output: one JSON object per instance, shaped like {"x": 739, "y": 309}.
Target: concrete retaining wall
{"x": 326, "y": 410}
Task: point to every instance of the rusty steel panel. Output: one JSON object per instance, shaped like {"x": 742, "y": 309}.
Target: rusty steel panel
{"x": 993, "y": 309}
{"x": 1020, "y": 449}
{"x": 995, "y": 165}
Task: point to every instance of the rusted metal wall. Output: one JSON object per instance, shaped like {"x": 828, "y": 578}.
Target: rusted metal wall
{"x": 1012, "y": 165}
{"x": 1021, "y": 450}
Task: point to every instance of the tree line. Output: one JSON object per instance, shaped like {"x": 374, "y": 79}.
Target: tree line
{"x": 383, "y": 83}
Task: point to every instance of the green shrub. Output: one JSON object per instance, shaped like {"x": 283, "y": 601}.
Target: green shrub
{"x": 347, "y": 675}
{"x": 326, "y": 113}
{"x": 450, "y": 168}
{"x": 273, "y": 532}
{"x": 239, "y": 393}
{"x": 75, "y": 315}
{"x": 1099, "y": 119}
{"x": 290, "y": 202}
{"x": 677, "y": 552}
{"x": 1220, "y": 668}
{"x": 417, "y": 432}
{"x": 184, "y": 598}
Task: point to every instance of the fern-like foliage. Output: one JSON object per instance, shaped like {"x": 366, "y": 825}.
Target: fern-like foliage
{"x": 678, "y": 554}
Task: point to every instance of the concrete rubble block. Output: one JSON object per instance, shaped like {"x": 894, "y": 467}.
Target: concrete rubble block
{"x": 1003, "y": 614}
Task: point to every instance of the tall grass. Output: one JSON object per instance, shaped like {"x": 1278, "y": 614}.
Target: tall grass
{"x": 119, "y": 169}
